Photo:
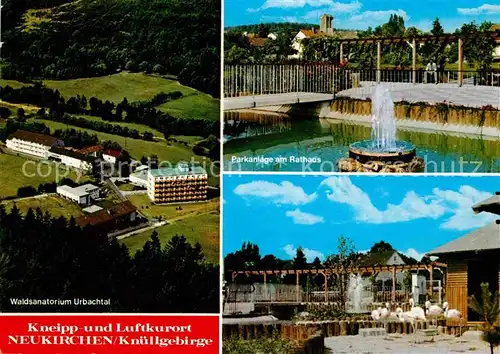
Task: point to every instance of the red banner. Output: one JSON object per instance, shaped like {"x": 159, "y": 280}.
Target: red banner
{"x": 96, "y": 334}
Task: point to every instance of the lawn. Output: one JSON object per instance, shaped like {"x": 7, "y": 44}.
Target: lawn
{"x": 54, "y": 205}
{"x": 169, "y": 212}
{"x": 136, "y": 87}
{"x": 133, "y": 86}
{"x": 141, "y": 128}
{"x": 12, "y": 176}
{"x": 191, "y": 140}
{"x": 136, "y": 147}
{"x": 128, "y": 187}
{"x": 12, "y": 83}
{"x": 15, "y": 106}
{"x": 193, "y": 106}
{"x": 202, "y": 228}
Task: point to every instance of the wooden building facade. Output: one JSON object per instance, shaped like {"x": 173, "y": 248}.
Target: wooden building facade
{"x": 472, "y": 259}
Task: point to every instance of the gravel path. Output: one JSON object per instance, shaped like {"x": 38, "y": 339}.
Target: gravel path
{"x": 399, "y": 344}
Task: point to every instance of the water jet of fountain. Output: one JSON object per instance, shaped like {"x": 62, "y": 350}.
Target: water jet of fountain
{"x": 354, "y": 293}
{"x": 383, "y": 122}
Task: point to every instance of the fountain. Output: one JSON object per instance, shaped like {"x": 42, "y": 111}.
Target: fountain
{"x": 382, "y": 153}
{"x": 354, "y": 293}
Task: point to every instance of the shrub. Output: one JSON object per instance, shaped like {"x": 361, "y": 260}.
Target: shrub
{"x": 25, "y": 192}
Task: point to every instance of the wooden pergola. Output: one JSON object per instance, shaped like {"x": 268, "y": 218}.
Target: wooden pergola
{"x": 327, "y": 272}
{"x": 413, "y": 41}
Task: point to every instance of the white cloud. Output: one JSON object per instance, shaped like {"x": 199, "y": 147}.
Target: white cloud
{"x": 339, "y": 7}
{"x": 283, "y": 4}
{"x": 330, "y": 5}
{"x": 461, "y": 202}
{"x": 485, "y": 9}
{"x": 377, "y": 16}
{"x": 302, "y": 218}
{"x": 292, "y": 19}
{"x": 413, "y": 253}
{"x": 342, "y": 190}
{"x": 284, "y": 193}
{"x": 291, "y": 251}
{"x": 456, "y": 204}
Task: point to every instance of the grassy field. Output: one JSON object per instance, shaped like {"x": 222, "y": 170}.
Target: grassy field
{"x": 191, "y": 140}
{"x": 128, "y": 187}
{"x": 54, "y": 205}
{"x": 141, "y": 128}
{"x": 198, "y": 222}
{"x": 15, "y": 106}
{"x": 193, "y": 106}
{"x": 169, "y": 212}
{"x": 202, "y": 228}
{"x": 136, "y": 147}
{"x": 12, "y": 83}
{"x": 12, "y": 176}
{"x": 136, "y": 87}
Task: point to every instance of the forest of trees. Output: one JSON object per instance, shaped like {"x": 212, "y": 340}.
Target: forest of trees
{"x": 478, "y": 50}
{"x": 42, "y": 257}
{"x": 99, "y": 37}
{"x": 141, "y": 112}
{"x": 249, "y": 258}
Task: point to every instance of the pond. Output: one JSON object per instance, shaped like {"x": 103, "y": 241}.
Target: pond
{"x": 257, "y": 141}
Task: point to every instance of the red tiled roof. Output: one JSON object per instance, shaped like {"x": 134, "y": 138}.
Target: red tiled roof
{"x": 257, "y": 41}
{"x": 42, "y": 139}
{"x": 90, "y": 149}
{"x": 114, "y": 153}
{"x": 105, "y": 215}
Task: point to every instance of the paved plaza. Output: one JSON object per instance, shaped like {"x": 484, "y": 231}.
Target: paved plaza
{"x": 467, "y": 95}
{"x": 398, "y": 344}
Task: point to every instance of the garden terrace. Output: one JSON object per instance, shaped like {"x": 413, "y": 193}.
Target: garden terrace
{"x": 328, "y": 272}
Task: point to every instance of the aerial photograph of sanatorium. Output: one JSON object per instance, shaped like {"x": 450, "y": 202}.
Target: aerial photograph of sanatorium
{"x": 340, "y": 264}
{"x": 109, "y": 149}
{"x": 357, "y": 87}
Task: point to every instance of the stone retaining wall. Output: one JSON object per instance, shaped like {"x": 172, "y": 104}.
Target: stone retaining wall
{"x": 302, "y": 332}
{"x": 439, "y": 113}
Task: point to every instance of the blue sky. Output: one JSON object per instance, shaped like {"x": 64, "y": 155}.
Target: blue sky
{"x": 359, "y": 14}
{"x": 414, "y": 214}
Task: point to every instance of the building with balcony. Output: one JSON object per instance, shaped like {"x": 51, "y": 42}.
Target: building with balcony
{"x": 181, "y": 184}
{"x": 30, "y": 143}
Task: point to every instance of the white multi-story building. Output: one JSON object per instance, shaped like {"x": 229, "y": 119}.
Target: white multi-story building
{"x": 32, "y": 143}
{"x": 71, "y": 158}
{"x": 83, "y": 195}
{"x": 178, "y": 185}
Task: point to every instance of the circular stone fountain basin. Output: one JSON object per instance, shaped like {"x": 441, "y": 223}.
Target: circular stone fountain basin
{"x": 364, "y": 151}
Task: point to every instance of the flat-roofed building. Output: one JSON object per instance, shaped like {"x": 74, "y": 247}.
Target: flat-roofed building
{"x": 181, "y": 184}
{"x": 83, "y": 195}
{"x": 32, "y": 143}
